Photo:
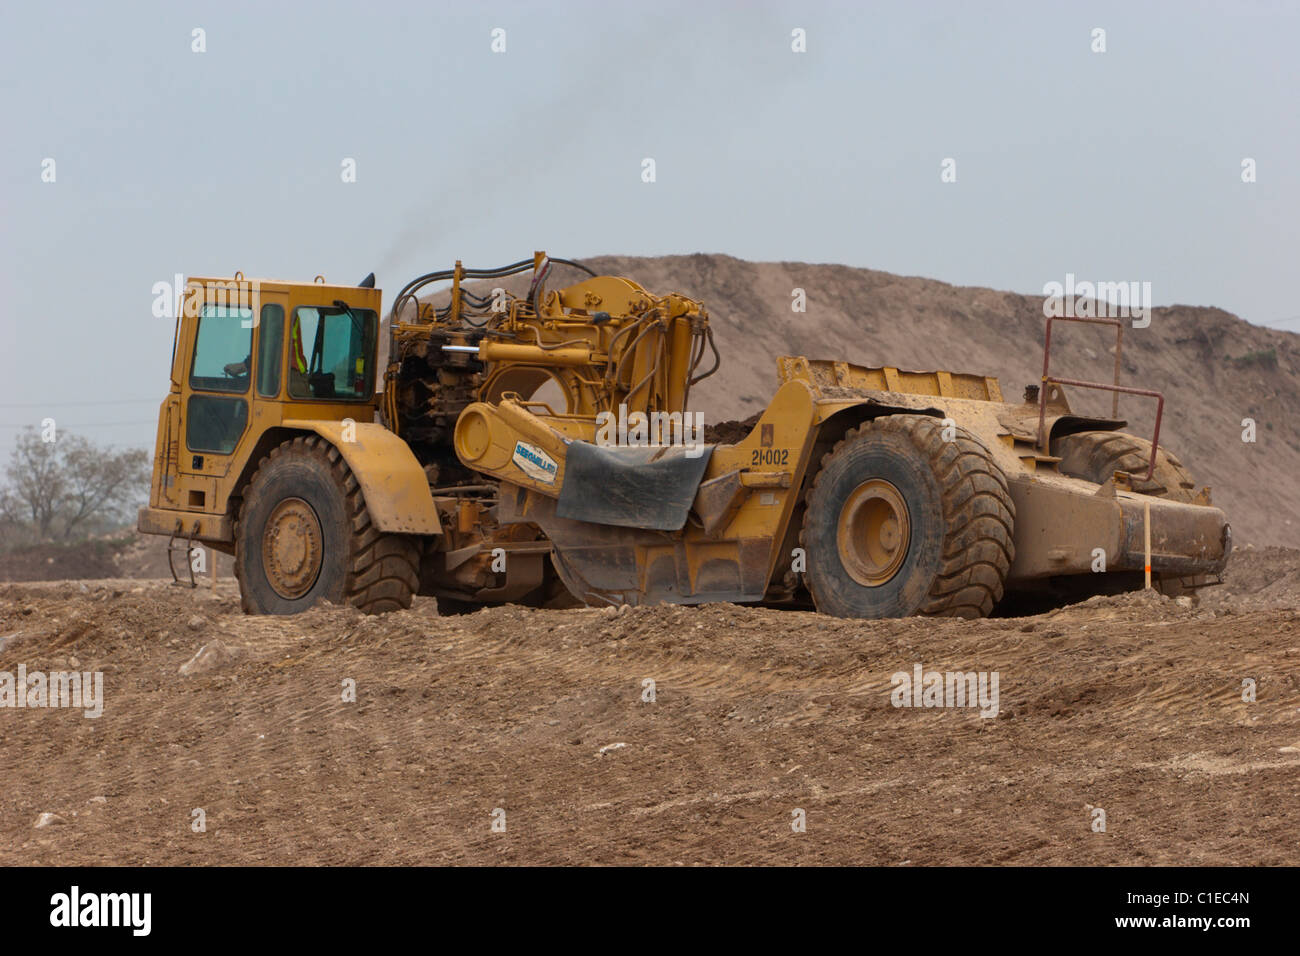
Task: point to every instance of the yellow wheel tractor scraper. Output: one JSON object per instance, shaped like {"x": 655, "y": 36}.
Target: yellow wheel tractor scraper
{"x": 540, "y": 448}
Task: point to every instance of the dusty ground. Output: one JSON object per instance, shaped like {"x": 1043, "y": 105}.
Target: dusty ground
{"x": 1130, "y": 704}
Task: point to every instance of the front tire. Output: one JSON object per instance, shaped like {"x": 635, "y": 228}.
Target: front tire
{"x": 901, "y": 521}
{"x": 304, "y": 534}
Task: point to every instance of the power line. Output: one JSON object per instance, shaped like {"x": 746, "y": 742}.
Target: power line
{"x": 122, "y": 401}
{"x": 81, "y": 425}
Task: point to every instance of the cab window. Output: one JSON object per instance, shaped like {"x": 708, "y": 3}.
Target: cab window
{"x": 222, "y": 355}
{"x": 222, "y": 349}
{"x": 331, "y": 353}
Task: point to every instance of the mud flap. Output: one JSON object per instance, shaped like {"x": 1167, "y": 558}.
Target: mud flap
{"x": 631, "y": 487}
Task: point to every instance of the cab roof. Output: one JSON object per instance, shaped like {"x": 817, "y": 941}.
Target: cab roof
{"x": 278, "y": 285}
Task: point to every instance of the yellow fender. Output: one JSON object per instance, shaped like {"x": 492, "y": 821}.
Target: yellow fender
{"x": 393, "y": 483}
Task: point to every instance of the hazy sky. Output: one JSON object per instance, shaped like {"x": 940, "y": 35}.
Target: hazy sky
{"x": 1122, "y": 165}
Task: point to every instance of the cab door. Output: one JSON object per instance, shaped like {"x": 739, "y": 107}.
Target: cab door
{"x": 237, "y": 356}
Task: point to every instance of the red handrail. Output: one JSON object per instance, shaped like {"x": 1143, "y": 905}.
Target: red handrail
{"x": 1116, "y": 388}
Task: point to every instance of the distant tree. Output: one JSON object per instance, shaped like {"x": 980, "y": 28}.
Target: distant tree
{"x": 36, "y": 483}
{"x": 61, "y": 488}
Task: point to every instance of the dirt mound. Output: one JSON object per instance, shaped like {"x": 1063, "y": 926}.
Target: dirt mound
{"x": 1264, "y": 578}
{"x": 335, "y": 738}
{"x": 728, "y": 433}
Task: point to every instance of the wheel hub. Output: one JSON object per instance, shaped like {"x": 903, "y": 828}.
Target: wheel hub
{"x": 873, "y": 532}
{"x": 291, "y": 548}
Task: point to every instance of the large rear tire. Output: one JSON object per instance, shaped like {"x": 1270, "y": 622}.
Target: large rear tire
{"x": 901, "y": 521}
{"x": 1096, "y": 456}
{"x": 304, "y": 534}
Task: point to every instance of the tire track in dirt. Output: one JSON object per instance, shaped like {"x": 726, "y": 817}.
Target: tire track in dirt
{"x": 1125, "y": 703}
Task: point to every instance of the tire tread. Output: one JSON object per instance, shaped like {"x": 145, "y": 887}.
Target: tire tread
{"x": 979, "y": 515}
{"x": 383, "y": 569}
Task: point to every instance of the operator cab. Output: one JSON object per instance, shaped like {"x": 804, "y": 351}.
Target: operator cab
{"x": 254, "y": 351}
